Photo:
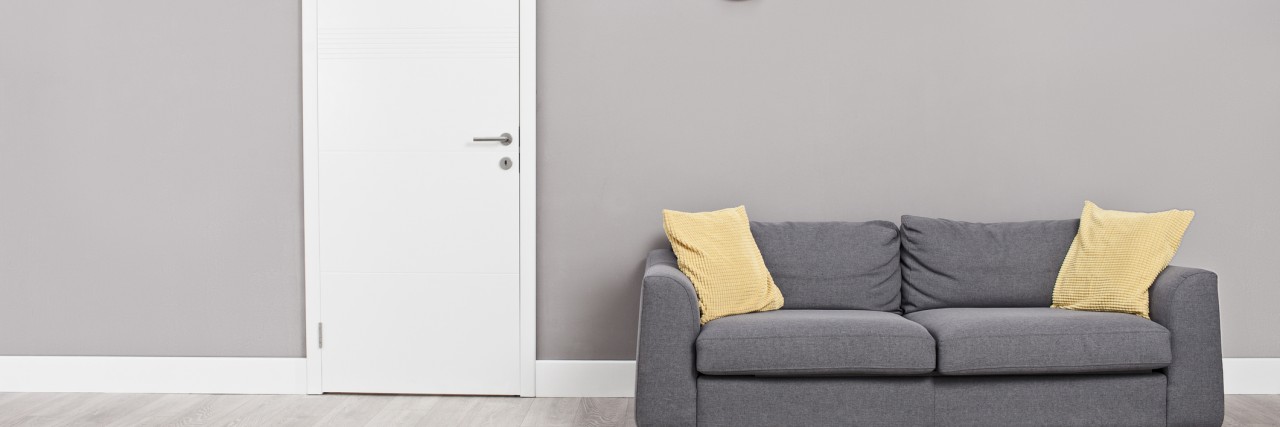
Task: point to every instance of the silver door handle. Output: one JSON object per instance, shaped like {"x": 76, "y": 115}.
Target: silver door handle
{"x": 505, "y": 139}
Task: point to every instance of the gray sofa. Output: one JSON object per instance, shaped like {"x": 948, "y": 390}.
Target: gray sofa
{"x": 936, "y": 323}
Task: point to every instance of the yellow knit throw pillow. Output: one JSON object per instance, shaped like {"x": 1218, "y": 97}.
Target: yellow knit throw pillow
{"x": 718, "y": 253}
{"x": 1115, "y": 257}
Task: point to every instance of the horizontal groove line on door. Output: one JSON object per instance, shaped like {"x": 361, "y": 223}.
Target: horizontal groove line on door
{"x": 424, "y": 44}
{"x": 504, "y": 39}
{"x": 381, "y": 47}
{"x": 416, "y": 33}
{"x": 415, "y": 55}
{"x": 402, "y": 58}
{"x": 420, "y": 54}
{"x": 424, "y": 52}
{"x": 409, "y": 30}
{"x": 507, "y": 149}
{"x": 387, "y": 273}
{"x": 433, "y": 43}
{"x": 394, "y": 57}
{"x": 416, "y": 52}
{"x": 378, "y": 47}
{"x": 416, "y": 43}
{"x": 487, "y": 36}
{"x": 415, "y": 49}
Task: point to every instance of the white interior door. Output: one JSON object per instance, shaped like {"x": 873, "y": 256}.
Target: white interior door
{"x": 419, "y": 223}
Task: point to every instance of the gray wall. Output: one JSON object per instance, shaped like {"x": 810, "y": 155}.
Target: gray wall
{"x": 858, "y": 110}
{"x": 150, "y": 178}
{"x": 149, "y": 149}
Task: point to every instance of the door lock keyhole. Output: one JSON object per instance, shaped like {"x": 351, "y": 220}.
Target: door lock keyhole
{"x": 505, "y": 163}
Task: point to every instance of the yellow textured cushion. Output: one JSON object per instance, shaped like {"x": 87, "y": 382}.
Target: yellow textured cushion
{"x": 1115, "y": 257}
{"x": 718, "y": 253}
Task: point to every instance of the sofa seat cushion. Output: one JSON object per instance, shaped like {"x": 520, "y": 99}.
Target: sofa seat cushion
{"x": 1042, "y": 340}
{"x": 814, "y": 342}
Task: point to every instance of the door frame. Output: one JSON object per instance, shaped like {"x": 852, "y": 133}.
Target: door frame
{"x": 527, "y": 165}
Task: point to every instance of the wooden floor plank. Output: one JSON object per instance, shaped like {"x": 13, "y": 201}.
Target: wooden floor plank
{"x": 404, "y": 411}
{"x": 25, "y": 405}
{"x": 497, "y": 411}
{"x": 165, "y": 409}
{"x": 81, "y": 404}
{"x": 64, "y": 407}
{"x": 355, "y": 411}
{"x": 215, "y": 411}
{"x": 449, "y": 411}
{"x": 552, "y": 412}
{"x": 5, "y": 397}
{"x": 1253, "y": 410}
{"x": 601, "y": 412}
{"x": 110, "y": 410}
{"x": 630, "y": 420}
{"x": 255, "y": 412}
{"x": 305, "y": 411}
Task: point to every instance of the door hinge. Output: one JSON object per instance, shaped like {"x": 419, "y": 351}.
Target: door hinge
{"x": 320, "y": 333}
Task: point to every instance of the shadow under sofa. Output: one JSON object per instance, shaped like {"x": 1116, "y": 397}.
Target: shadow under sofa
{"x": 936, "y": 323}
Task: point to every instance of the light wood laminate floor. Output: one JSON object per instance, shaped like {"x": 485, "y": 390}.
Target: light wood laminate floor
{"x": 89, "y": 409}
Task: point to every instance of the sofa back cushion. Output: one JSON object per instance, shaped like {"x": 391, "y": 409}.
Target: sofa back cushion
{"x": 833, "y": 265}
{"x": 949, "y": 263}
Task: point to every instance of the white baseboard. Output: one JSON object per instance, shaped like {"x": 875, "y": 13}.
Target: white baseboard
{"x": 585, "y": 378}
{"x": 616, "y": 378}
{"x": 264, "y": 375}
{"x": 1251, "y": 375}
{"x": 213, "y": 375}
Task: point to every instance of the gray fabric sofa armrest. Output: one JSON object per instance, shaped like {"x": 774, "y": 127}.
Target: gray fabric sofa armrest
{"x": 666, "y": 377}
{"x": 1185, "y": 301}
